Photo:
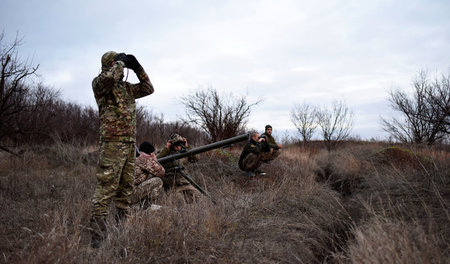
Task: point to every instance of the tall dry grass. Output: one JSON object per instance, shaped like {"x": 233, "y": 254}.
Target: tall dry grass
{"x": 387, "y": 240}
{"x": 400, "y": 204}
{"x": 295, "y": 214}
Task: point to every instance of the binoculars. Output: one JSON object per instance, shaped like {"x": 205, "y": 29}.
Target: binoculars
{"x": 179, "y": 143}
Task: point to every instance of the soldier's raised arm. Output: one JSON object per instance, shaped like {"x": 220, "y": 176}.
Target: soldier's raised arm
{"x": 145, "y": 86}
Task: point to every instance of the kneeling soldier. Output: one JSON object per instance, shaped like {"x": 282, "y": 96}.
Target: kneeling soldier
{"x": 173, "y": 179}
{"x": 147, "y": 182}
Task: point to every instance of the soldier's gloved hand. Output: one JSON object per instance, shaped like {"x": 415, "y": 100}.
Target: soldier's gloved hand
{"x": 124, "y": 58}
{"x": 133, "y": 63}
{"x": 169, "y": 144}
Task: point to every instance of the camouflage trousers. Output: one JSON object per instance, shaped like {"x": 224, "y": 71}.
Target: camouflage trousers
{"x": 187, "y": 193}
{"x": 253, "y": 161}
{"x": 115, "y": 178}
{"x": 148, "y": 189}
{"x": 182, "y": 188}
{"x": 271, "y": 155}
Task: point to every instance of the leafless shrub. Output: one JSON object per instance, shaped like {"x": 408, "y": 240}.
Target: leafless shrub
{"x": 72, "y": 123}
{"x": 335, "y": 123}
{"x": 15, "y": 93}
{"x": 66, "y": 122}
{"x": 221, "y": 116}
{"x": 439, "y": 96}
{"x": 304, "y": 118}
{"x": 425, "y": 116}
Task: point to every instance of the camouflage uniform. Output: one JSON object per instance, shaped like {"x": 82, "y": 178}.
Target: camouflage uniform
{"x": 147, "y": 183}
{"x": 252, "y": 155}
{"x": 173, "y": 180}
{"x": 117, "y": 110}
{"x": 274, "y": 150}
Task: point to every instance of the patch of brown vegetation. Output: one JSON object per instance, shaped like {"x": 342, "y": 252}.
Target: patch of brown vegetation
{"x": 403, "y": 157}
{"x": 389, "y": 212}
{"x": 341, "y": 170}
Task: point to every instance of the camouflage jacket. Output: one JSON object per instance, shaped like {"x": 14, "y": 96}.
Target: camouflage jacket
{"x": 168, "y": 166}
{"x": 253, "y": 147}
{"x": 172, "y": 177}
{"x": 271, "y": 140}
{"x": 147, "y": 167}
{"x": 116, "y": 102}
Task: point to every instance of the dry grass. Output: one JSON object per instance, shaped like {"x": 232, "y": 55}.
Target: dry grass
{"x": 341, "y": 170}
{"x": 362, "y": 210}
{"x": 384, "y": 240}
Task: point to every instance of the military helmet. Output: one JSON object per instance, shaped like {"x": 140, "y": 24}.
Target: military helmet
{"x": 176, "y": 138}
{"x": 108, "y": 59}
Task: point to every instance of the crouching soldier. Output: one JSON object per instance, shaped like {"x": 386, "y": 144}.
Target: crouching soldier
{"x": 252, "y": 155}
{"x": 274, "y": 147}
{"x": 173, "y": 179}
{"x": 147, "y": 182}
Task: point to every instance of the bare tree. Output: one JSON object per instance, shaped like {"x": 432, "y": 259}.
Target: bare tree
{"x": 425, "y": 114}
{"x": 219, "y": 116}
{"x": 14, "y": 92}
{"x": 36, "y": 120}
{"x": 335, "y": 123}
{"x": 68, "y": 122}
{"x": 33, "y": 113}
{"x": 304, "y": 116}
{"x": 439, "y": 97}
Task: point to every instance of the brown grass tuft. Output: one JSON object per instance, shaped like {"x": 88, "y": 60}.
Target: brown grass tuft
{"x": 384, "y": 240}
{"x": 341, "y": 170}
{"x": 403, "y": 157}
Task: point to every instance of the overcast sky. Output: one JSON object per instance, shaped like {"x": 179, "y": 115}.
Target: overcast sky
{"x": 283, "y": 52}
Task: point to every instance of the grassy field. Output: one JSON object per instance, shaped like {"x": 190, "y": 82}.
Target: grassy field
{"x": 364, "y": 203}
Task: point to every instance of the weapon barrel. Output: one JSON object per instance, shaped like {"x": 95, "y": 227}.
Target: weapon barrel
{"x": 204, "y": 148}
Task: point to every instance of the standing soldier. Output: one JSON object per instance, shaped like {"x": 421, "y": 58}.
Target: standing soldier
{"x": 274, "y": 147}
{"x": 173, "y": 178}
{"x": 117, "y": 110}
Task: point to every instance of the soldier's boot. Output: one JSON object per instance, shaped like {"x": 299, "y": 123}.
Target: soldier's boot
{"x": 249, "y": 173}
{"x": 98, "y": 231}
{"x": 260, "y": 172}
{"x": 120, "y": 215}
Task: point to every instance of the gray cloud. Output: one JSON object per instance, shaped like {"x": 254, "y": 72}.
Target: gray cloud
{"x": 284, "y": 52}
